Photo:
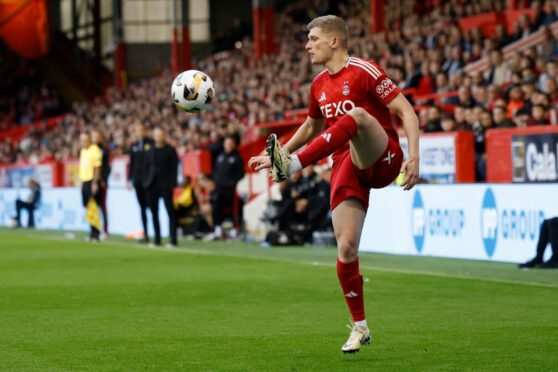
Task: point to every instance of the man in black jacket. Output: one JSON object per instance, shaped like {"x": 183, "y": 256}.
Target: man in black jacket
{"x": 138, "y": 169}
{"x": 160, "y": 181}
{"x": 229, "y": 169}
{"x": 98, "y": 139}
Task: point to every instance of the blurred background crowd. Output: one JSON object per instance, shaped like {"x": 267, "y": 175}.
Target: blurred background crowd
{"x": 424, "y": 51}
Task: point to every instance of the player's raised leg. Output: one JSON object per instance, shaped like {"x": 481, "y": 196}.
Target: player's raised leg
{"x": 368, "y": 141}
{"x": 348, "y": 220}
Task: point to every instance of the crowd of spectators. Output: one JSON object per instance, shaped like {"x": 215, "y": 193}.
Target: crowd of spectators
{"x": 24, "y": 95}
{"x": 423, "y": 49}
{"x": 24, "y": 98}
{"x": 514, "y": 92}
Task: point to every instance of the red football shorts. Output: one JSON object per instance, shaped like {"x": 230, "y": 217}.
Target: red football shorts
{"x": 349, "y": 181}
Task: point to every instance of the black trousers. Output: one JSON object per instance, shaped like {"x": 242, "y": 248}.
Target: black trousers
{"x": 222, "y": 205}
{"x": 86, "y": 194}
{"x": 141, "y": 195}
{"x": 30, "y": 207}
{"x": 103, "y": 190}
{"x": 318, "y": 211}
{"x": 154, "y": 194}
{"x": 285, "y": 213}
{"x": 548, "y": 233}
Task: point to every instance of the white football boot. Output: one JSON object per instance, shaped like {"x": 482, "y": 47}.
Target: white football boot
{"x": 359, "y": 336}
{"x": 280, "y": 159}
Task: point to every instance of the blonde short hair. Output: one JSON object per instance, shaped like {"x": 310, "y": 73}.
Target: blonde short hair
{"x": 332, "y": 25}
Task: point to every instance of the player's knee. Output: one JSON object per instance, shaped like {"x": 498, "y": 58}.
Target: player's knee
{"x": 361, "y": 116}
{"x": 348, "y": 250}
{"x": 348, "y": 256}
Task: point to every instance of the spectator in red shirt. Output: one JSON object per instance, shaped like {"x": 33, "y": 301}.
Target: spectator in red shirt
{"x": 426, "y": 84}
{"x": 474, "y": 54}
{"x": 538, "y": 116}
{"x": 515, "y": 101}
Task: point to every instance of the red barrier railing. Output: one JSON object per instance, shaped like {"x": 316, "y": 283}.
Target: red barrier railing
{"x": 18, "y": 131}
{"x": 487, "y": 22}
{"x": 57, "y": 174}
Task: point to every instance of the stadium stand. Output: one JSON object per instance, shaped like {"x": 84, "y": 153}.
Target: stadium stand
{"x": 425, "y": 50}
{"x": 238, "y": 268}
{"x": 24, "y": 95}
{"x": 467, "y": 67}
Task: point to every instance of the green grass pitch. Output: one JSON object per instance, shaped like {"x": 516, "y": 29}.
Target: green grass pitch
{"x": 70, "y": 305}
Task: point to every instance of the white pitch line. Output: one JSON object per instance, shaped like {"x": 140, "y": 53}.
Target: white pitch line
{"x": 424, "y": 273}
{"x": 189, "y": 250}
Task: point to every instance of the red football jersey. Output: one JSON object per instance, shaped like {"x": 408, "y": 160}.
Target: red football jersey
{"x": 359, "y": 84}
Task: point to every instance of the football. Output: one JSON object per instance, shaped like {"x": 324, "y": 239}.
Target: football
{"x": 192, "y": 91}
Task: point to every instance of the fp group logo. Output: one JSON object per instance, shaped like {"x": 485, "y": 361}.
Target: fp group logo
{"x": 489, "y": 222}
{"x": 418, "y": 221}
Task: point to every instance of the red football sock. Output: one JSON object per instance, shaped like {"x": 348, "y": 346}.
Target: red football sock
{"x": 329, "y": 141}
{"x": 351, "y": 282}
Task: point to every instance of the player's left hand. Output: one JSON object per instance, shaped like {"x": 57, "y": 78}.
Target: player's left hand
{"x": 411, "y": 169}
{"x": 259, "y": 162}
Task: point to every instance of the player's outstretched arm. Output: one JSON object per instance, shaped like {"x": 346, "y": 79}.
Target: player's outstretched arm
{"x": 308, "y": 130}
{"x": 401, "y": 107}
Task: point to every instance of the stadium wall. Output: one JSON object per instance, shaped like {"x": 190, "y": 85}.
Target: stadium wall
{"x": 474, "y": 221}
{"x": 484, "y": 222}
{"x": 61, "y": 209}
{"x": 527, "y": 154}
